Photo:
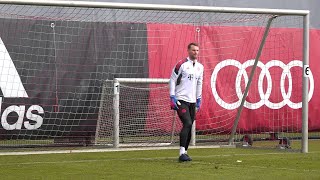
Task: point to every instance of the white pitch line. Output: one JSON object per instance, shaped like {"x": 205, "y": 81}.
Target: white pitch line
{"x": 109, "y": 150}
{"x": 146, "y": 159}
{"x": 231, "y": 166}
{"x": 256, "y": 154}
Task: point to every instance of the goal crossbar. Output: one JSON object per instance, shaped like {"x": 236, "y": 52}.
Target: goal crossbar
{"x": 141, "y": 80}
{"x": 164, "y": 7}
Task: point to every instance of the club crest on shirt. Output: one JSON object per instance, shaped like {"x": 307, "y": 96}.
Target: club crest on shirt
{"x": 183, "y": 110}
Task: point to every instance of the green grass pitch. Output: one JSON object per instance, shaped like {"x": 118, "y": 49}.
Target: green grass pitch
{"x": 222, "y": 163}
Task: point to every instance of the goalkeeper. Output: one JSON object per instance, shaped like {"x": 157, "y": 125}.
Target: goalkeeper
{"x": 185, "y": 94}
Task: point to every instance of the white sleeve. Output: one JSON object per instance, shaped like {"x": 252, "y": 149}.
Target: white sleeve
{"x": 173, "y": 79}
{"x": 199, "y": 85}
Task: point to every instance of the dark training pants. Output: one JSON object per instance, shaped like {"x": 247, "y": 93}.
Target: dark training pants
{"x": 186, "y": 114}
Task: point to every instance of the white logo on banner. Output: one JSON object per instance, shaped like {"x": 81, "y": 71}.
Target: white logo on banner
{"x": 10, "y": 82}
{"x": 264, "y": 97}
{"x": 12, "y": 87}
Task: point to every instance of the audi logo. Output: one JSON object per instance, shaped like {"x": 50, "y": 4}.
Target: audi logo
{"x": 264, "y": 97}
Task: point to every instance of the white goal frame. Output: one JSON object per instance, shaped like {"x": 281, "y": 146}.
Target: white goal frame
{"x": 303, "y": 13}
{"x": 116, "y": 102}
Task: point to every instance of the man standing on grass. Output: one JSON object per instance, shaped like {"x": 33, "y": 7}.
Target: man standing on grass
{"x": 185, "y": 95}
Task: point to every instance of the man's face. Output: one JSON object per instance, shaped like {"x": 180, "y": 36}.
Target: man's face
{"x": 193, "y": 52}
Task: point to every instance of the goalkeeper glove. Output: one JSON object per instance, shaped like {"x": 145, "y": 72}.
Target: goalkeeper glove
{"x": 198, "y": 104}
{"x": 173, "y": 102}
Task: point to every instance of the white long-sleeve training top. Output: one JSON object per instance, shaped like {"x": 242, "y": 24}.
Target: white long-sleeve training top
{"x": 186, "y": 80}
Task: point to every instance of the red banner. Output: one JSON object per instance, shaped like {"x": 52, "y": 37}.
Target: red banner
{"x": 227, "y": 53}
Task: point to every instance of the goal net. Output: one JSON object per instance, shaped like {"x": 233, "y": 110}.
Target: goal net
{"x": 59, "y": 62}
{"x": 134, "y": 112}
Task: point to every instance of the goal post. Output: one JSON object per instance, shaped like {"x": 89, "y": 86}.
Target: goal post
{"x": 96, "y": 73}
{"x": 305, "y": 84}
{"x": 147, "y": 135}
{"x": 117, "y": 82}
{"x": 305, "y": 81}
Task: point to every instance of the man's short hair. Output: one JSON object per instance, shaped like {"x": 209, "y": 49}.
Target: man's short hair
{"x": 192, "y": 44}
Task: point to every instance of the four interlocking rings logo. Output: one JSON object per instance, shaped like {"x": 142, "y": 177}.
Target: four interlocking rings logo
{"x": 264, "y": 97}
